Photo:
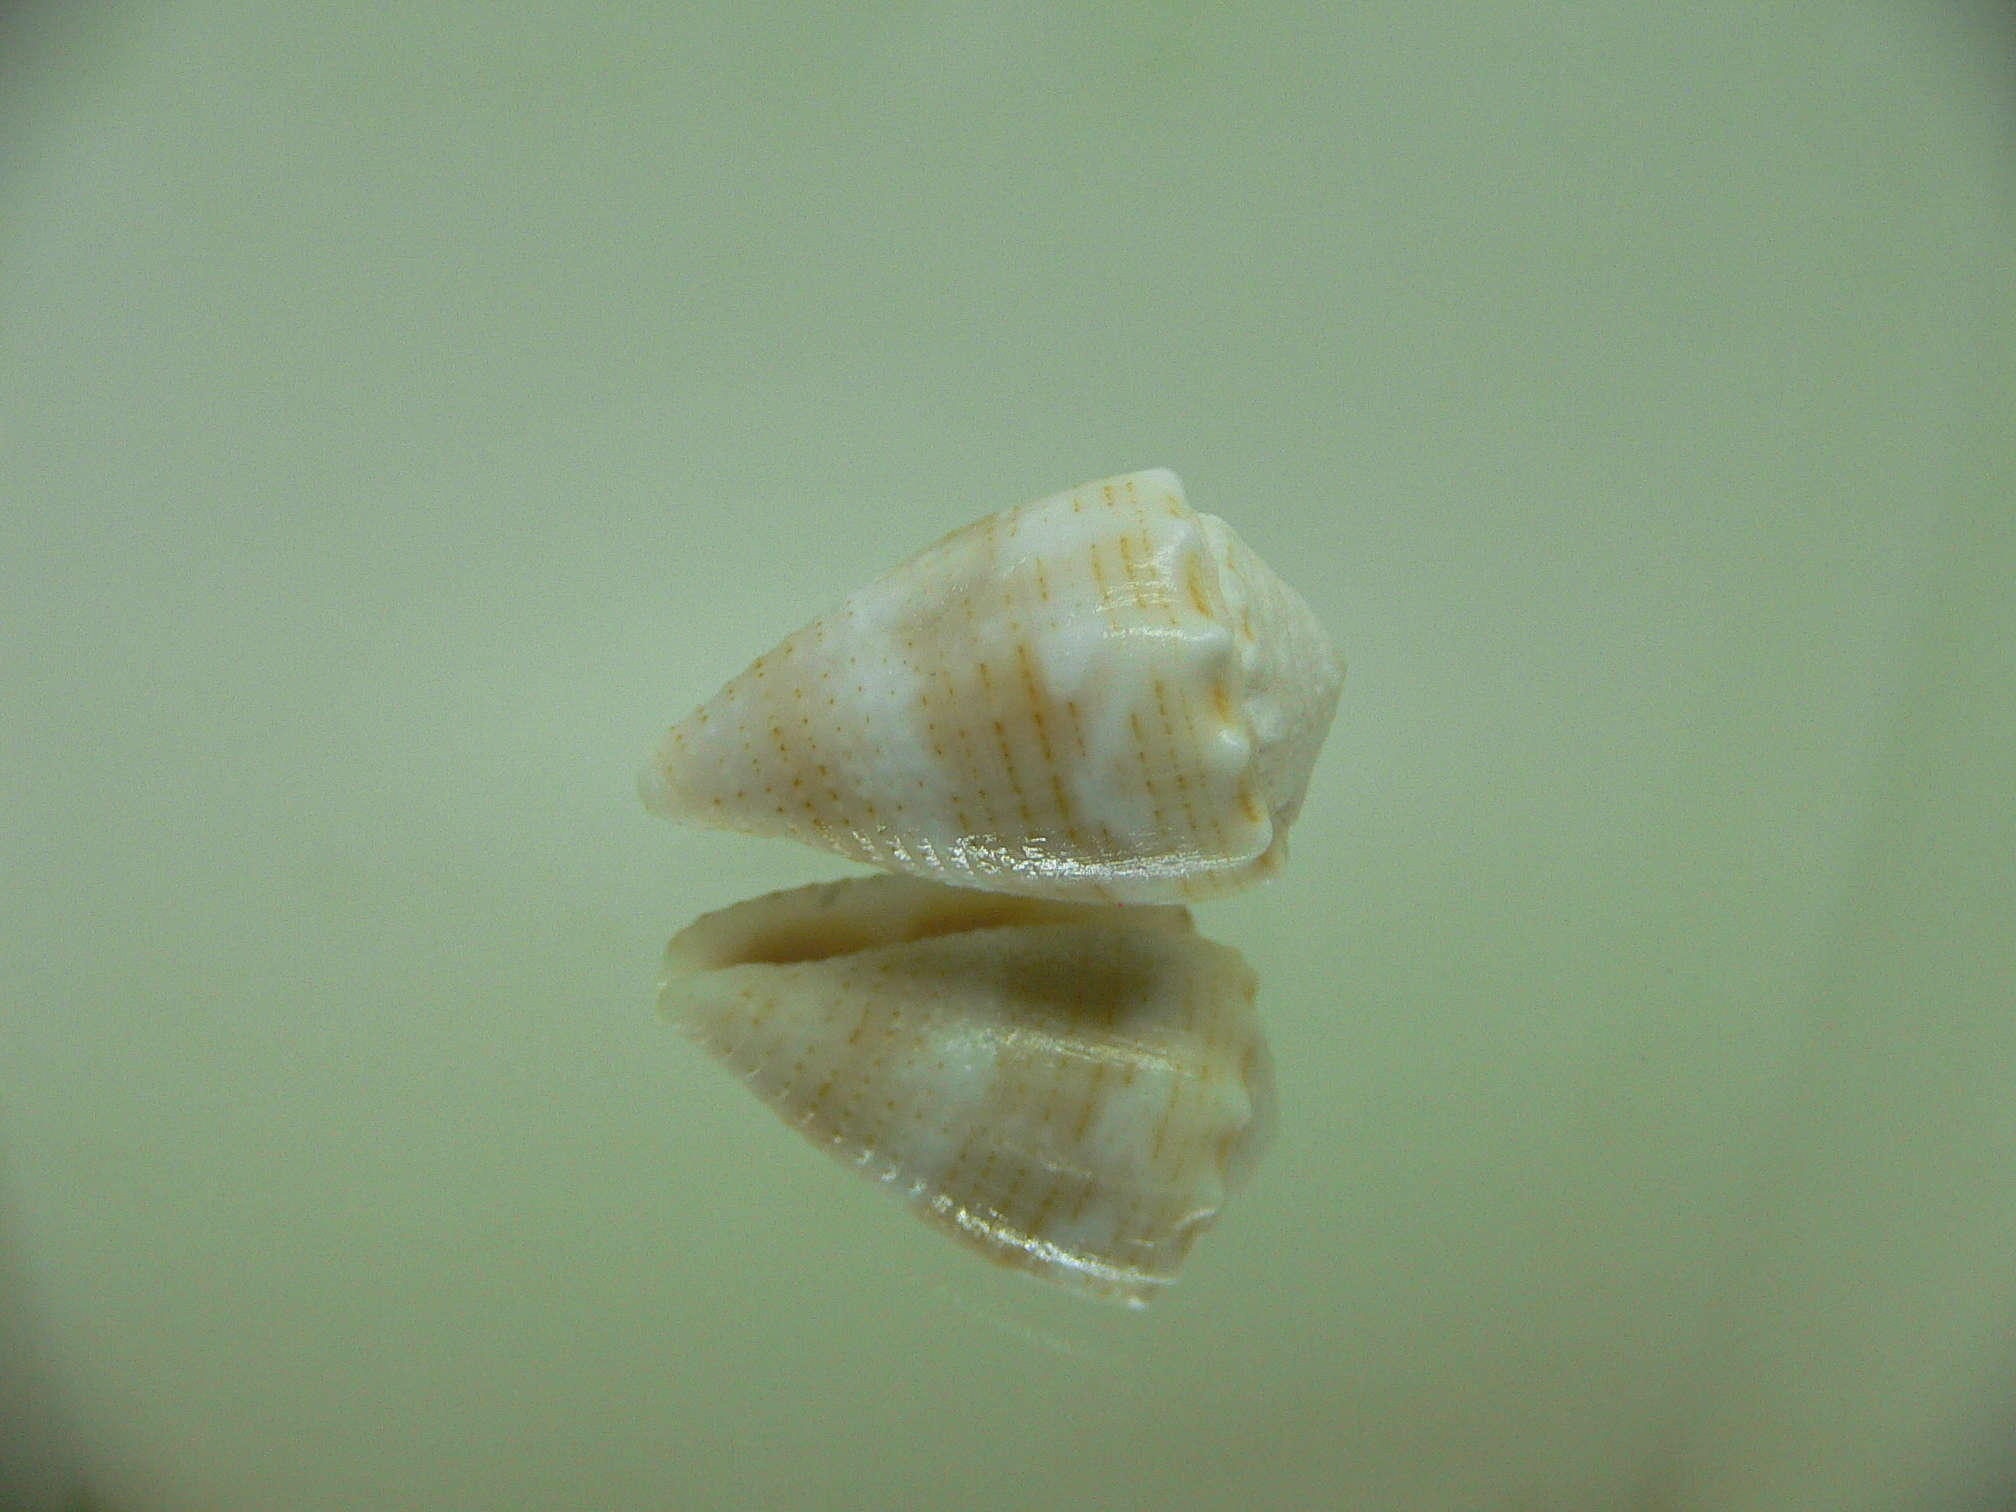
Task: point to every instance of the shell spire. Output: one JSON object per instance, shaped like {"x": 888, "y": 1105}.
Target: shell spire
{"x": 1100, "y": 696}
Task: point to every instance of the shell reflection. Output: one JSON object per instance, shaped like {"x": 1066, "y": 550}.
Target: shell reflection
{"x": 1072, "y": 1089}
{"x": 1102, "y": 696}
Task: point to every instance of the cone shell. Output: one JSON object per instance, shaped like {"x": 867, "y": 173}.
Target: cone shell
{"x": 1099, "y": 696}
{"x": 1070, "y": 1089}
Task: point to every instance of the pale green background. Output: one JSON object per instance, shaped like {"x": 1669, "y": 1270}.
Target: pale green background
{"x": 407, "y": 410}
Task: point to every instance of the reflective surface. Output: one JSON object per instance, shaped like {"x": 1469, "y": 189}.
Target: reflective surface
{"x": 407, "y": 412}
{"x": 1072, "y": 1090}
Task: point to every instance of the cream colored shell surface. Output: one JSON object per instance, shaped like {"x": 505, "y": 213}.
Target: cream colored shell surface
{"x": 1102, "y": 695}
{"x": 1070, "y": 1089}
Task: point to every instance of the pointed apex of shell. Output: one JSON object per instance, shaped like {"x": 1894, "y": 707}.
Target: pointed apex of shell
{"x": 654, "y": 786}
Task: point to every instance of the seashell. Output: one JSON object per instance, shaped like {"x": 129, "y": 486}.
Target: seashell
{"x": 1071, "y": 1089}
{"x": 1103, "y": 695}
